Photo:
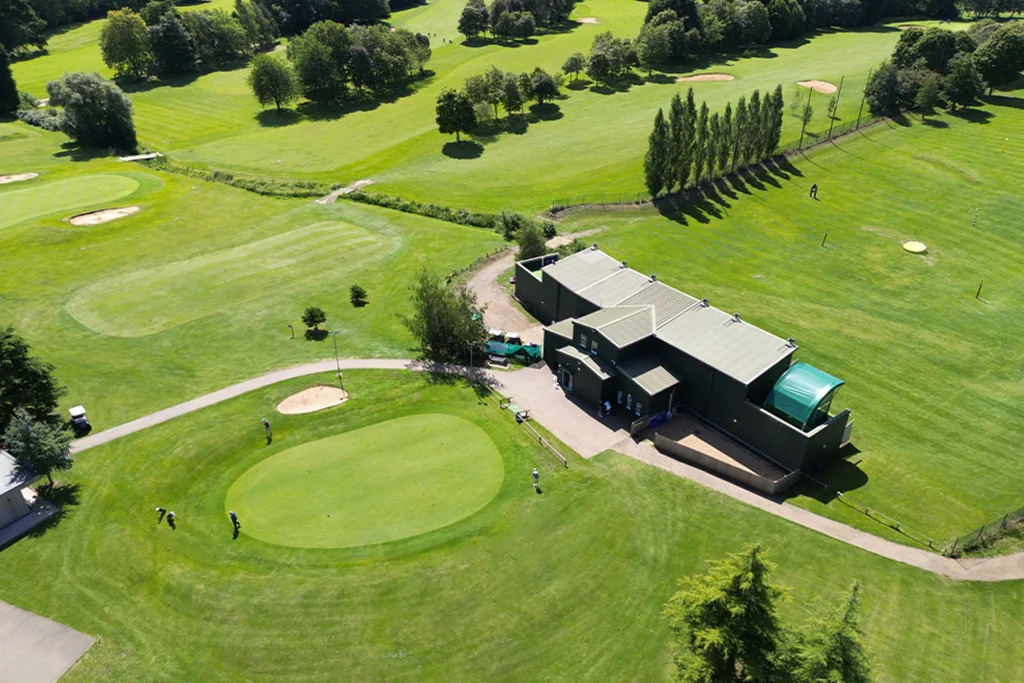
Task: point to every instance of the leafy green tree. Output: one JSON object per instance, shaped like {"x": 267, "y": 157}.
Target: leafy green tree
{"x": 20, "y": 26}
{"x": 418, "y": 47}
{"x": 455, "y": 113}
{"x": 155, "y": 11}
{"x": 687, "y": 139}
{"x": 476, "y": 87}
{"x": 724, "y": 145}
{"x": 724, "y": 622}
{"x": 446, "y": 318}
{"x": 124, "y": 44}
{"x": 882, "y": 90}
{"x": 474, "y": 20}
{"x": 511, "y": 95}
{"x": 928, "y": 95}
{"x": 674, "y": 151}
{"x": 8, "y": 89}
{"x": 94, "y": 112}
{"x": 752, "y": 135}
{"x": 778, "y": 109}
{"x": 360, "y": 66}
{"x": 765, "y": 126}
{"x": 313, "y": 317}
{"x": 739, "y": 131}
{"x": 656, "y": 161}
{"x": 273, "y": 81}
{"x": 653, "y": 47}
{"x": 172, "y": 46}
{"x": 494, "y": 12}
{"x": 524, "y": 25}
{"x": 963, "y": 85}
{"x": 26, "y": 382}
{"x": 510, "y": 223}
{"x": 1001, "y": 59}
{"x": 39, "y": 446}
{"x": 506, "y": 26}
{"x": 495, "y": 87}
{"x": 714, "y": 140}
{"x": 700, "y": 144}
{"x": 357, "y": 295}
{"x": 981, "y": 31}
{"x": 218, "y": 37}
{"x": 544, "y": 85}
{"x": 531, "y": 241}
{"x": 321, "y": 59}
{"x": 832, "y": 651}
{"x": 525, "y": 83}
{"x": 575, "y": 63}
{"x": 260, "y": 30}
{"x": 755, "y": 26}
{"x": 786, "y": 18}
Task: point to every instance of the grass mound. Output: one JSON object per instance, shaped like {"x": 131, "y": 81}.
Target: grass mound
{"x": 381, "y": 483}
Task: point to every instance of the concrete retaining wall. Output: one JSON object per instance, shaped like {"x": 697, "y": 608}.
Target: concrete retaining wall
{"x": 724, "y": 469}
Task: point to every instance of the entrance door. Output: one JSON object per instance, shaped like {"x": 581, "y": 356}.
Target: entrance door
{"x": 566, "y": 379}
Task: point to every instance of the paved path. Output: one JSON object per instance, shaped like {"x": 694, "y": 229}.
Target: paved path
{"x": 535, "y": 389}
{"x": 34, "y": 649}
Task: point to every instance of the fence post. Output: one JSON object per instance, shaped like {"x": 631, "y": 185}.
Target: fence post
{"x": 863, "y": 97}
{"x": 833, "y": 117}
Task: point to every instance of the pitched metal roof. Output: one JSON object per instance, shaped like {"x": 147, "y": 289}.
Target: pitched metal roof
{"x": 648, "y": 373}
{"x": 613, "y": 288}
{"x": 733, "y": 347}
{"x": 621, "y": 325}
{"x": 582, "y": 269}
{"x": 13, "y": 476}
{"x": 668, "y": 302}
{"x": 563, "y": 328}
{"x": 590, "y": 362}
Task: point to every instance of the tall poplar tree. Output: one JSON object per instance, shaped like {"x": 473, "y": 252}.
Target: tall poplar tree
{"x": 700, "y": 144}
{"x": 676, "y": 116}
{"x": 739, "y": 125}
{"x": 753, "y": 133}
{"x": 714, "y": 140}
{"x": 724, "y": 146}
{"x": 765, "y": 126}
{"x": 655, "y": 163}
{"x": 686, "y": 141}
{"x": 775, "y": 133}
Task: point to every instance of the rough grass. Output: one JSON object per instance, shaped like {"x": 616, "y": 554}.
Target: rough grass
{"x": 567, "y": 585}
{"x": 381, "y": 483}
{"x": 932, "y": 374}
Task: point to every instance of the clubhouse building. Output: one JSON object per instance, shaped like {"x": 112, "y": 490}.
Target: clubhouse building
{"x": 618, "y": 336}
{"x": 20, "y": 508}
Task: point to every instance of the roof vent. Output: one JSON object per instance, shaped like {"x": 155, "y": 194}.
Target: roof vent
{"x": 653, "y": 278}
{"x": 736, "y": 317}
{"x": 622, "y": 265}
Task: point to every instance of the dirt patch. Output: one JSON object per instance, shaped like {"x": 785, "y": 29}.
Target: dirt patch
{"x": 17, "y": 177}
{"x": 819, "y": 86}
{"x": 705, "y": 77}
{"x": 904, "y": 27}
{"x": 103, "y": 215}
{"x": 312, "y": 399}
{"x": 588, "y": 20}
{"x": 357, "y": 185}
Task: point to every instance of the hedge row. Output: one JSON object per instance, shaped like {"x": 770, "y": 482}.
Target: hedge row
{"x": 263, "y": 186}
{"x": 441, "y": 213}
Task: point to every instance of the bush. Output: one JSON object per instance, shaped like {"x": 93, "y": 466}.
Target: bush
{"x": 357, "y": 295}
{"x": 40, "y": 118}
{"x": 95, "y": 112}
{"x": 313, "y": 317}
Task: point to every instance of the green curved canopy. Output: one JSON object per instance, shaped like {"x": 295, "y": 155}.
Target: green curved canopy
{"x": 801, "y": 391}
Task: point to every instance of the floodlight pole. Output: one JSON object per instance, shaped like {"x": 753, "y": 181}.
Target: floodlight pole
{"x": 292, "y": 329}
{"x": 803, "y": 117}
{"x": 833, "y": 117}
{"x": 337, "y": 360}
{"x": 863, "y": 97}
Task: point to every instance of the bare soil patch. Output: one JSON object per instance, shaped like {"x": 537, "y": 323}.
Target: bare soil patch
{"x": 103, "y": 215}
{"x": 819, "y": 86}
{"x": 357, "y": 185}
{"x": 312, "y": 399}
{"x": 16, "y": 177}
{"x": 705, "y": 77}
{"x": 588, "y": 20}
{"x": 904, "y": 27}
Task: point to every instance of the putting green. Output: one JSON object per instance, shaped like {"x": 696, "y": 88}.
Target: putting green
{"x": 391, "y": 480}
{"x": 62, "y": 196}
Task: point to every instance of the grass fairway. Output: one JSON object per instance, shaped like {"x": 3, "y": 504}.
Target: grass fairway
{"x": 381, "y": 483}
{"x": 933, "y": 374}
{"x": 34, "y": 199}
{"x": 563, "y": 586}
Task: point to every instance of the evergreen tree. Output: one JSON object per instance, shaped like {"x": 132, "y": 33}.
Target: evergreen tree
{"x": 656, "y": 160}
{"x": 764, "y": 128}
{"x": 676, "y": 115}
{"x": 739, "y": 126}
{"x": 724, "y": 145}
{"x": 775, "y": 130}
{"x": 172, "y": 46}
{"x": 753, "y": 133}
{"x": 714, "y": 140}
{"x": 700, "y": 144}
{"x": 8, "y": 89}
{"x": 40, "y": 446}
{"x": 686, "y": 140}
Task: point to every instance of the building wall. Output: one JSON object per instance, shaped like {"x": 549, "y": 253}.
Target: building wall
{"x": 825, "y": 441}
{"x": 762, "y": 386}
{"x": 568, "y": 304}
{"x": 606, "y": 351}
{"x": 12, "y": 507}
{"x": 698, "y": 379}
{"x": 553, "y": 342}
{"x": 536, "y": 293}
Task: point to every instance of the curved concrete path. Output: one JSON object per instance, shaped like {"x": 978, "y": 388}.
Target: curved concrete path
{"x": 566, "y": 419}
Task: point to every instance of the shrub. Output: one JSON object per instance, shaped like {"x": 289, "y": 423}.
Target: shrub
{"x": 357, "y": 295}
{"x": 313, "y": 317}
{"x": 40, "y": 118}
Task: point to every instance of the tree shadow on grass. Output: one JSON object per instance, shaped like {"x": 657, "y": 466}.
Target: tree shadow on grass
{"x": 578, "y": 84}
{"x": 973, "y": 115}
{"x": 272, "y": 118}
{"x": 548, "y": 111}
{"x": 660, "y": 79}
{"x": 620, "y": 84}
{"x": 1005, "y": 101}
{"x": 65, "y": 498}
{"x": 78, "y": 152}
{"x": 316, "y": 335}
{"x": 467, "y": 149}
{"x": 179, "y": 81}
{"x": 935, "y": 123}
{"x": 689, "y": 205}
{"x": 322, "y": 111}
{"x": 839, "y": 475}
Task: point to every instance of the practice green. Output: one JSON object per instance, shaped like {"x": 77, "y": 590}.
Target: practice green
{"x": 391, "y": 480}
{"x": 37, "y": 201}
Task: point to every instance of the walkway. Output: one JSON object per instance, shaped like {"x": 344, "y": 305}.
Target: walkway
{"x": 535, "y": 390}
{"x": 35, "y": 649}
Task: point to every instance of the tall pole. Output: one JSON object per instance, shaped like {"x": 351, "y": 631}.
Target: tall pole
{"x": 863, "y": 97}
{"x": 833, "y": 117}
{"x": 803, "y": 116}
{"x": 337, "y": 360}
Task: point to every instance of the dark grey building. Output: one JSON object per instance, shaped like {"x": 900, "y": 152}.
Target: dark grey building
{"x": 617, "y": 335}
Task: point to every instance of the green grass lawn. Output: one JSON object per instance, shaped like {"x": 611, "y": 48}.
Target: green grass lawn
{"x": 196, "y": 291}
{"x": 391, "y": 480}
{"x": 933, "y": 375}
{"x": 564, "y": 585}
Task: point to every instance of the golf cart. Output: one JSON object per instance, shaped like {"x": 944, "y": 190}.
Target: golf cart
{"x": 79, "y": 422}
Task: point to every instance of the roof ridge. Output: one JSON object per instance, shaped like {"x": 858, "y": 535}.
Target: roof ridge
{"x": 639, "y": 309}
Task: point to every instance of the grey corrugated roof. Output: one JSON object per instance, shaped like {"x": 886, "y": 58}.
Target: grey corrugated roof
{"x": 668, "y": 302}
{"x": 582, "y": 269}
{"x": 622, "y": 326}
{"x": 613, "y": 288}
{"x": 735, "y": 348}
{"x": 649, "y": 373}
{"x": 12, "y": 477}
{"x": 562, "y": 328}
{"x": 593, "y": 364}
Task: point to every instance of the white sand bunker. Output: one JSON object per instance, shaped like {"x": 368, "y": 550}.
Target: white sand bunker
{"x": 819, "y": 86}
{"x": 705, "y": 77}
{"x": 103, "y": 215}
{"x": 904, "y": 27}
{"x": 312, "y": 399}
{"x": 17, "y": 177}
{"x": 588, "y": 20}
{"x": 915, "y": 247}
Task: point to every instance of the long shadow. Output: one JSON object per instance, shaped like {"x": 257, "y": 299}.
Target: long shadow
{"x": 762, "y": 174}
{"x": 316, "y": 335}
{"x": 323, "y": 111}
{"x": 1005, "y": 101}
{"x": 79, "y": 152}
{"x": 178, "y": 81}
{"x": 549, "y": 111}
{"x": 973, "y": 115}
{"x": 839, "y": 475}
{"x": 935, "y": 123}
{"x": 617, "y": 85}
{"x": 466, "y": 149}
{"x": 273, "y": 118}
{"x": 65, "y": 498}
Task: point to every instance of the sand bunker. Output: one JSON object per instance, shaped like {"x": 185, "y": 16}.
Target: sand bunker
{"x": 915, "y": 247}
{"x": 705, "y": 77}
{"x": 312, "y": 399}
{"x": 588, "y": 20}
{"x": 103, "y": 215}
{"x": 17, "y": 177}
{"x": 819, "y": 86}
{"x": 904, "y": 27}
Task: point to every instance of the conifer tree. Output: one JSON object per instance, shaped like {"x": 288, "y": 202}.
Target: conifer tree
{"x": 656, "y": 160}
{"x": 700, "y": 144}
{"x": 775, "y": 132}
{"x": 686, "y": 140}
{"x": 676, "y": 116}
{"x": 764, "y": 127}
{"x": 724, "y": 145}
{"x": 714, "y": 140}
{"x": 739, "y": 125}
{"x": 750, "y": 138}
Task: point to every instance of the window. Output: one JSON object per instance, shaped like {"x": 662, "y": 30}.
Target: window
{"x": 638, "y": 409}
{"x": 593, "y": 348}
{"x": 619, "y": 399}
{"x": 583, "y": 341}
{"x": 629, "y": 401}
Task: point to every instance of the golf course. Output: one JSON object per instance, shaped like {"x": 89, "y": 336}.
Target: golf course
{"x": 397, "y": 534}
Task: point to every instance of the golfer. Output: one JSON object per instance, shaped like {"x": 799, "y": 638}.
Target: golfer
{"x": 170, "y": 519}
{"x": 266, "y": 426}
{"x": 536, "y": 478}
{"x": 814, "y": 191}
{"x": 234, "y": 520}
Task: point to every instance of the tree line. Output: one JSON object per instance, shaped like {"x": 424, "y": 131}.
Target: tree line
{"x": 461, "y": 111}
{"x": 695, "y": 146}
{"x": 936, "y": 66}
{"x": 507, "y": 19}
